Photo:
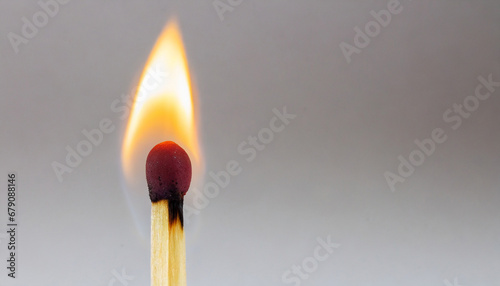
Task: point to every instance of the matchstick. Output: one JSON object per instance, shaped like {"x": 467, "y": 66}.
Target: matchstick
{"x": 168, "y": 173}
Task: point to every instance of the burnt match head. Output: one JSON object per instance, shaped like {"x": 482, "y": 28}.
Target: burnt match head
{"x": 168, "y": 172}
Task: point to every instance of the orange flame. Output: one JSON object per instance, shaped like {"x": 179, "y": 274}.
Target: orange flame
{"x": 163, "y": 108}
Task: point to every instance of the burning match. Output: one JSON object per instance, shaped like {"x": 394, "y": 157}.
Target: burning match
{"x": 168, "y": 173}
{"x": 163, "y": 108}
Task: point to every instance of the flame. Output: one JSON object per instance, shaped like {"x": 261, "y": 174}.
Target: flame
{"x": 163, "y": 108}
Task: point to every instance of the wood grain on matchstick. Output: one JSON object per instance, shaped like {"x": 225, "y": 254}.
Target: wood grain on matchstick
{"x": 168, "y": 248}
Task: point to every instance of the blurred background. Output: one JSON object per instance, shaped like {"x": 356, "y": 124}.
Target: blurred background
{"x": 366, "y": 135}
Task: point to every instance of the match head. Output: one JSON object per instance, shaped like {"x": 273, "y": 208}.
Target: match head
{"x": 168, "y": 172}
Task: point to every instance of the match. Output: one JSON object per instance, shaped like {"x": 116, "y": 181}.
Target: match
{"x": 168, "y": 174}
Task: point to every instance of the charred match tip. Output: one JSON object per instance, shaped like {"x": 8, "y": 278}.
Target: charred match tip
{"x": 168, "y": 172}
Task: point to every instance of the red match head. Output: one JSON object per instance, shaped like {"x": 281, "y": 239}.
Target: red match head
{"x": 168, "y": 172}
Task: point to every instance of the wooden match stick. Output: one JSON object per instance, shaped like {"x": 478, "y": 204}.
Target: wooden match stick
{"x": 168, "y": 173}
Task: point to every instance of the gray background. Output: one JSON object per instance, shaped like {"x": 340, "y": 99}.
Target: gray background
{"x": 323, "y": 175}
